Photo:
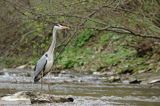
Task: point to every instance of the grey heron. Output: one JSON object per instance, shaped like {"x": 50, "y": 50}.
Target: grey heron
{"x": 45, "y": 63}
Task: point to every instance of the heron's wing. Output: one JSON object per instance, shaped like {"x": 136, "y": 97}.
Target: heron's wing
{"x": 40, "y": 67}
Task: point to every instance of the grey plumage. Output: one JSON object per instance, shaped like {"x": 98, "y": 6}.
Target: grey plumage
{"x": 40, "y": 67}
{"x": 45, "y": 63}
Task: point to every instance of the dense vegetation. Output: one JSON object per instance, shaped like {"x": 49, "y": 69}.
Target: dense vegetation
{"x": 117, "y": 35}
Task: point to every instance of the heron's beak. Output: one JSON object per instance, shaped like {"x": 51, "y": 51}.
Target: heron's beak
{"x": 65, "y": 27}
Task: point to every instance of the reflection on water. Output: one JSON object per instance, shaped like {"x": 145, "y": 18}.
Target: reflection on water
{"x": 86, "y": 92}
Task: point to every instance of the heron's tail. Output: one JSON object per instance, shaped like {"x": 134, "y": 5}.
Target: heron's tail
{"x": 36, "y": 79}
{"x": 39, "y": 76}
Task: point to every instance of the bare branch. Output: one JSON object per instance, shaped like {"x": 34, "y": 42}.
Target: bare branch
{"x": 123, "y": 30}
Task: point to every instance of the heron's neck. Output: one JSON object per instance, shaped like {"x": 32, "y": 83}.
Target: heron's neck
{"x": 53, "y": 44}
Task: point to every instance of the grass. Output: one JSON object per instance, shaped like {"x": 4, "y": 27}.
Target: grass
{"x": 12, "y": 61}
{"x": 15, "y": 61}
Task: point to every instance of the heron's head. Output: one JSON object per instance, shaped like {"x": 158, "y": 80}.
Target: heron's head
{"x": 60, "y": 27}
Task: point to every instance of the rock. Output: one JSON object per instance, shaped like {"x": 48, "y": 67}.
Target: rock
{"x": 114, "y": 79}
{"x": 46, "y": 98}
{"x": 109, "y": 73}
{"x": 17, "y": 98}
{"x": 134, "y": 81}
{"x": 96, "y": 73}
{"x": 25, "y": 66}
{"x": 61, "y": 99}
{"x": 106, "y": 73}
{"x": 22, "y": 66}
{"x": 2, "y": 73}
{"x": 15, "y": 103}
{"x": 23, "y": 95}
{"x": 34, "y": 97}
{"x": 28, "y": 74}
{"x": 141, "y": 71}
{"x": 32, "y": 66}
{"x": 63, "y": 72}
{"x": 131, "y": 80}
{"x": 125, "y": 82}
{"x": 155, "y": 81}
{"x": 127, "y": 71}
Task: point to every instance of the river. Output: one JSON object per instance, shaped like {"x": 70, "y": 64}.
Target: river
{"x": 87, "y": 90}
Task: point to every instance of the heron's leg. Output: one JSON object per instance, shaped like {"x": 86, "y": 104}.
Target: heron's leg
{"x": 42, "y": 81}
{"x": 49, "y": 89}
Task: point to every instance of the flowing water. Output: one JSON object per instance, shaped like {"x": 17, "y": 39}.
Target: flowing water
{"x": 87, "y": 90}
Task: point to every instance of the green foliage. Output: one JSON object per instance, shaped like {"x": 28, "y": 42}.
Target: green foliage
{"x": 83, "y": 37}
{"x": 79, "y": 57}
{"x": 121, "y": 58}
{"x": 105, "y": 38}
{"x": 74, "y": 57}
